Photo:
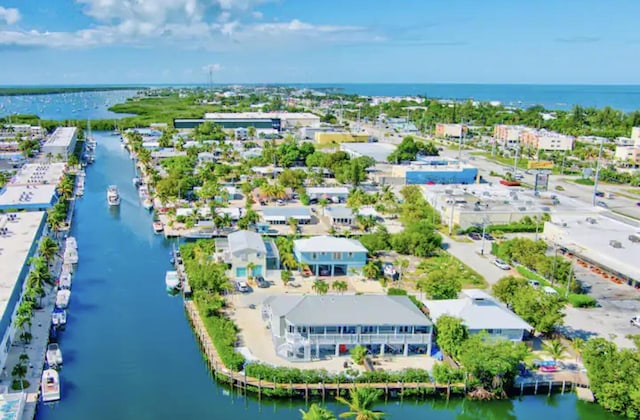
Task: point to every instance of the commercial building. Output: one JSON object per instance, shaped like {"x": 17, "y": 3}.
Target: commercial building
{"x": 479, "y": 311}
{"x": 62, "y": 142}
{"x": 309, "y": 133}
{"x": 472, "y": 205}
{"x": 10, "y": 131}
{"x": 435, "y": 170}
{"x": 328, "y": 255}
{"x": 261, "y": 121}
{"x": 451, "y": 130}
{"x": 304, "y": 327}
{"x": 546, "y": 140}
{"x": 508, "y": 135}
{"x": 376, "y": 151}
{"x": 19, "y": 233}
{"x": 28, "y": 197}
{"x": 340, "y": 137}
{"x": 40, "y": 173}
{"x": 635, "y": 136}
{"x": 611, "y": 244}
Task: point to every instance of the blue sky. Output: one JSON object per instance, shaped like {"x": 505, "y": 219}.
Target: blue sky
{"x": 307, "y": 41}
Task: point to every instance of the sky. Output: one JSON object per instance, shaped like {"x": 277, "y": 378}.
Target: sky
{"x": 319, "y": 41}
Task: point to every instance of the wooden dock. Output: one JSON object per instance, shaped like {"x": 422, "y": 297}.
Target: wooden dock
{"x": 246, "y": 383}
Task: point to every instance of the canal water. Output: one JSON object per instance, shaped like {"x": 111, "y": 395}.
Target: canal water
{"x": 129, "y": 351}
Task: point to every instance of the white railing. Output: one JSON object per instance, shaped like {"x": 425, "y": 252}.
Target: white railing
{"x": 359, "y": 338}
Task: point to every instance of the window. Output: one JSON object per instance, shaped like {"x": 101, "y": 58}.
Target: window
{"x": 404, "y": 329}
{"x": 351, "y": 255}
{"x": 421, "y": 329}
{"x": 348, "y": 330}
{"x": 496, "y": 331}
{"x": 316, "y": 330}
{"x": 332, "y": 330}
{"x": 368, "y": 329}
{"x": 337, "y": 256}
{"x": 386, "y": 329}
{"x": 314, "y": 256}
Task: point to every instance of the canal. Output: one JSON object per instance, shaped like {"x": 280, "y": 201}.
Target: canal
{"x": 129, "y": 351}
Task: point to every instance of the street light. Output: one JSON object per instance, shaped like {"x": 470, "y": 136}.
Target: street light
{"x": 485, "y": 220}
{"x": 595, "y": 182}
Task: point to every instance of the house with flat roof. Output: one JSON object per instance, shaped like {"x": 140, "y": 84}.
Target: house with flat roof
{"x": 28, "y": 197}
{"x": 248, "y": 254}
{"x": 305, "y": 327}
{"x": 281, "y": 215}
{"x": 480, "y": 311}
{"x": 62, "y": 142}
{"x": 334, "y": 194}
{"x": 329, "y": 255}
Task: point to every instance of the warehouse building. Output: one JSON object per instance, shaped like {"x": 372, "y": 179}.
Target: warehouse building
{"x": 62, "y": 142}
{"x": 435, "y": 170}
{"x": 261, "y": 121}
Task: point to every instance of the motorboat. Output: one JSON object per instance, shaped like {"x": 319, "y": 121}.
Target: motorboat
{"x": 59, "y": 318}
{"x": 135, "y": 181}
{"x": 66, "y": 267}
{"x": 62, "y": 298}
{"x": 113, "y": 197}
{"x": 147, "y": 204}
{"x": 70, "y": 255}
{"x": 172, "y": 280}
{"x": 54, "y": 355}
{"x": 158, "y": 227}
{"x": 64, "y": 281}
{"x": 70, "y": 242}
{"x": 50, "y": 385}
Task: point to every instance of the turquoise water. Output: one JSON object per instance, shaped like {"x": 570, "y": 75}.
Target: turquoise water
{"x": 129, "y": 351}
{"x": 78, "y": 105}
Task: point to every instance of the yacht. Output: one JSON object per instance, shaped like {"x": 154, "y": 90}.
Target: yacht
{"x": 70, "y": 255}
{"x": 50, "y": 385}
{"x": 113, "y": 197}
{"x": 59, "y": 318}
{"x": 62, "y": 298}
{"x": 136, "y": 182}
{"x": 158, "y": 227}
{"x": 54, "y": 355}
{"x": 172, "y": 280}
{"x": 64, "y": 282}
{"x": 70, "y": 242}
{"x": 147, "y": 204}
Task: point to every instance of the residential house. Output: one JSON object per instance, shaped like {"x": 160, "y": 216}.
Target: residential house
{"x": 480, "y": 311}
{"x": 309, "y": 326}
{"x": 246, "y": 248}
{"x": 339, "y": 215}
{"x": 328, "y": 255}
{"x": 281, "y": 215}
{"x": 332, "y": 194}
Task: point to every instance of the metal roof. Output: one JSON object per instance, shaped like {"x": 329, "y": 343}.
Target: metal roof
{"x": 243, "y": 240}
{"x": 478, "y": 311}
{"x": 348, "y": 310}
{"x": 339, "y": 212}
{"x": 328, "y": 244}
{"x": 284, "y": 213}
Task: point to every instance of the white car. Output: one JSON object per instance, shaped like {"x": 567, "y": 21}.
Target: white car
{"x": 502, "y": 265}
{"x": 242, "y": 285}
{"x": 635, "y": 321}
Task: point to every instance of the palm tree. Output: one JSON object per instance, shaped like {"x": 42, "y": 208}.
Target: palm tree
{"x": 577, "y": 344}
{"x": 48, "y": 248}
{"x": 402, "y": 264}
{"x": 339, "y": 286}
{"x": 555, "y": 348}
{"x": 323, "y": 203}
{"x": 317, "y": 412}
{"x": 19, "y": 372}
{"x": 321, "y": 287}
{"x": 250, "y": 267}
{"x": 289, "y": 261}
{"x": 371, "y": 270}
{"x": 361, "y": 404}
{"x": 293, "y": 225}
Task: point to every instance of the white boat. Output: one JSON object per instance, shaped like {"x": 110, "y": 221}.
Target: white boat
{"x": 147, "y": 204}
{"x": 50, "y": 385}
{"x": 172, "y": 280}
{"x": 62, "y": 298}
{"x": 113, "y": 197}
{"x": 158, "y": 227}
{"x": 70, "y": 242}
{"x": 70, "y": 256}
{"x": 59, "y": 317}
{"x": 54, "y": 355}
{"x": 136, "y": 182}
{"x": 64, "y": 282}
{"x": 66, "y": 267}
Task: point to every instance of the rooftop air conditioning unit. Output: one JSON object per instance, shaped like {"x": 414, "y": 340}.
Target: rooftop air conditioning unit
{"x": 615, "y": 244}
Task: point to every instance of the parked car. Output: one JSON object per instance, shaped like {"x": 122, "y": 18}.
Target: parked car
{"x": 475, "y": 236}
{"x": 488, "y": 237}
{"x": 534, "y": 283}
{"x": 602, "y": 204}
{"x": 599, "y": 194}
{"x": 306, "y": 272}
{"x": 261, "y": 282}
{"x": 242, "y": 286}
{"x": 324, "y": 272}
{"x": 501, "y": 264}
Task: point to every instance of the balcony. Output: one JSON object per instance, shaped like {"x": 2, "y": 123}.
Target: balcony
{"x": 327, "y": 339}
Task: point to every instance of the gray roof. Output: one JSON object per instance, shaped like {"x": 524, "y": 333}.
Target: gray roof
{"x": 245, "y": 240}
{"x": 339, "y": 212}
{"x": 348, "y": 310}
{"x": 478, "y": 311}
{"x": 284, "y": 213}
{"x": 328, "y": 244}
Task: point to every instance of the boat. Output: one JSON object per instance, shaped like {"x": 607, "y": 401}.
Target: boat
{"x": 59, "y": 317}
{"x": 135, "y": 181}
{"x": 62, "y": 298}
{"x": 172, "y": 280}
{"x": 147, "y": 204}
{"x": 113, "y": 197}
{"x": 54, "y": 355}
{"x": 70, "y": 242}
{"x": 158, "y": 227}
{"x": 50, "y": 385}
{"x": 70, "y": 255}
{"x": 64, "y": 282}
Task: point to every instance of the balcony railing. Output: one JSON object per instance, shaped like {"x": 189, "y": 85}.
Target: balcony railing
{"x": 359, "y": 338}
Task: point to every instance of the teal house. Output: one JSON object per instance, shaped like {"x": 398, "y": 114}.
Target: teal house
{"x": 329, "y": 256}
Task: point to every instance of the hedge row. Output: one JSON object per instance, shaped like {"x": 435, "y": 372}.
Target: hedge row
{"x": 224, "y": 335}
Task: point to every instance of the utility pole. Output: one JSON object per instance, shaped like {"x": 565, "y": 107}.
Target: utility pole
{"x": 453, "y": 203}
{"x": 484, "y": 232}
{"x": 595, "y": 182}
{"x": 461, "y": 138}
{"x": 562, "y": 168}
{"x": 515, "y": 162}
{"x": 569, "y": 280}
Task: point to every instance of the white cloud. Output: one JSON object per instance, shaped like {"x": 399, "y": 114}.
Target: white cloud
{"x": 212, "y": 67}
{"x": 9, "y": 15}
{"x": 205, "y": 24}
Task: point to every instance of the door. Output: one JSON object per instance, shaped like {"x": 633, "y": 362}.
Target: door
{"x": 257, "y": 271}
{"x": 241, "y": 272}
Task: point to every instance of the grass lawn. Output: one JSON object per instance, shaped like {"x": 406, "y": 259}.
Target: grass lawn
{"x": 454, "y": 267}
{"x": 522, "y": 162}
{"x": 582, "y": 181}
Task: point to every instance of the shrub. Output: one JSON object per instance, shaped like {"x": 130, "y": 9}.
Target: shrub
{"x": 223, "y": 333}
{"x": 581, "y": 301}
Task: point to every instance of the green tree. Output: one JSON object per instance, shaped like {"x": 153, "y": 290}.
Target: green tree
{"x": 439, "y": 285}
{"x": 317, "y": 412}
{"x": 360, "y": 404}
{"x": 285, "y": 276}
{"x": 371, "y": 270}
{"x": 339, "y": 286}
{"x": 541, "y": 310}
{"x": 321, "y": 287}
{"x": 554, "y": 348}
{"x": 508, "y": 287}
{"x": 47, "y": 248}
{"x": 358, "y": 354}
{"x": 19, "y": 372}
{"x": 451, "y": 335}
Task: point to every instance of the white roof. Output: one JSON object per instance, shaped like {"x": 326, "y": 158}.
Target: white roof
{"x": 15, "y": 250}
{"x": 328, "y": 244}
{"x": 244, "y": 240}
{"x": 63, "y": 136}
{"x": 478, "y": 311}
{"x": 318, "y": 191}
{"x": 259, "y": 115}
{"x": 27, "y": 195}
{"x": 40, "y": 173}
